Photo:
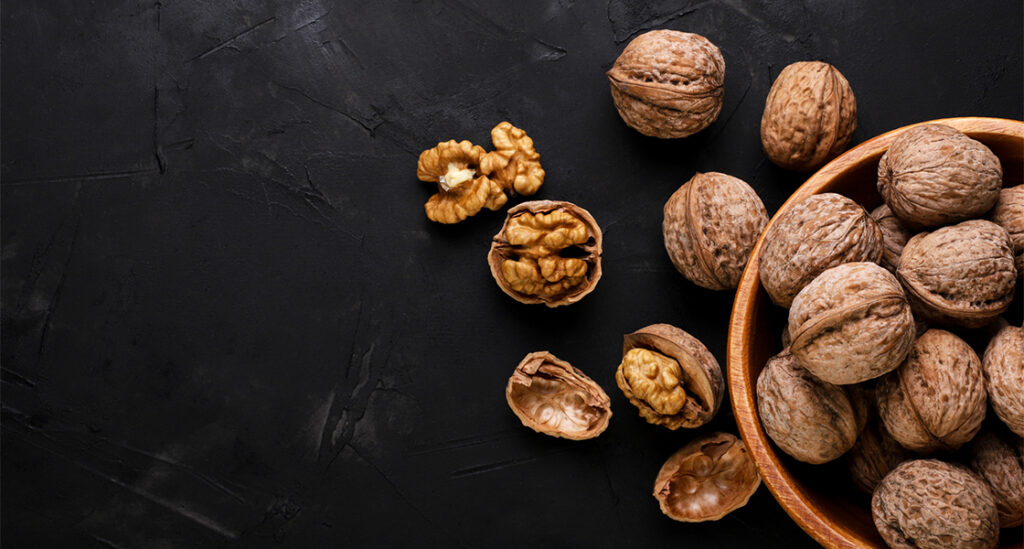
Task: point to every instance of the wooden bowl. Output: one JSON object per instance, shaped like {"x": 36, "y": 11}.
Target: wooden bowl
{"x": 819, "y": 498}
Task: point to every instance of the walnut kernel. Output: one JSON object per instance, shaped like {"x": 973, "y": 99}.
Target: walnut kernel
{"x": 461, "y": 190}
{"x": 515, "y": 164}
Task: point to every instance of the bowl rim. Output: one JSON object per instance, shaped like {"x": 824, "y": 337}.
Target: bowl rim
{"x": 741, "y": 392}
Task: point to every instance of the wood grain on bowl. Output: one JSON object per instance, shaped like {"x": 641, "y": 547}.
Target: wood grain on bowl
{"x": 755, "y": 328}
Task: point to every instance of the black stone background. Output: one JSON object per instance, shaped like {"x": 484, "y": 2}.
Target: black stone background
{"x": 227, "y": 322}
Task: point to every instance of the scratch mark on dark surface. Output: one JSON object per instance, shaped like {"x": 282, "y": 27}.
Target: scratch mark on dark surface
{"x": 455, "y": 444}
{"x": 157, "y": 152}
{"x": 229, "y": 41}
{"x": 55, "y": 298}
{"x": 495, "y": 28}
{"x": 721, "y": 128}
{"x": 647, "y": 24}
{"x": 495, "y": 466}
{"x": 88, "y": 176}
{"x": 18, "y": 378}
{"x": 107, "y": 543}
{"x": 370, "y": 128}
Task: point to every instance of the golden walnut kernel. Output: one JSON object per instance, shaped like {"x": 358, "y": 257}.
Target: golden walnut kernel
{"x": 809, "y": 116}
{"x": 894, "y": 236}
{"x": 1009, "y": 214}
{"x": 461, "y": 190}
{"x": 670, "y": 376}
{"x": 552, "y": 397}
{"x": 710, "y": 227}
{"x": 515, "y": 164}
{"x": 707, "y": 479}
{"x": 1003, "y": 366}
{"x": 547, "y": 252}
{"x": 668, "y": 83}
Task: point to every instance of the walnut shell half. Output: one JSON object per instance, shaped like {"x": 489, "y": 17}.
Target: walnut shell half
{"x": 670, "y": 376}
{"x": 707, "y": 479}
{"x": 1009, "y": 214}
{"x": 547, "y": 252}
{"x": 997, "y": 457}
{"x": 1003, "y": 366}
{"x": 552, "y": 397}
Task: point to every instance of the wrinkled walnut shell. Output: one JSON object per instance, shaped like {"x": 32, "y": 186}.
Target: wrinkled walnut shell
{"x": 679, "y": 385}
{"x": 934, "y": 175}
{"x": 873, "y": 456}
{"x": 894, "y": 236}
{"x": 552, "y": 397}
{"x": 706, "y": 479}
{"x": 1003, "y": 366}
{"x": 821, "y": 232}
{"x": 1009, "y": 214}
{"x": 547, "y": 252}
{"x": 668, "y": 83}
{"x": 926, "y": 504}
{"x": 809, "y": 116}
{"x": 997, "y": 457}
{"x": 710, "y": 227}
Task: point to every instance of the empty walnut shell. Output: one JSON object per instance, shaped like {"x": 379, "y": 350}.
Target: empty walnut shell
{"x": 894, "y": 236}
{"x": 809, "y": 419}
{"x": 1003, "y": 367}
{"x": 851, "y": 324}
{"x": 552, "y": 397}
{"x": 1009, "y": 214}
{"x": 821, "y": 232}
{"x": 961, "y": 275}
{"x": 933, "y": 175}
{"x": 547, "y": 252}
{"x": 929, "y": 504}
{"x": 809, "y": 116}
{"x": 668, "y": 83}
{"x": 874, "y": 455}
{"x": 707, "y": 479}
{"x": 670, "y": 376}
{"x": 936, "y": 399}
{"x": 997, "y": 457}
{"x": 710, "y": 227}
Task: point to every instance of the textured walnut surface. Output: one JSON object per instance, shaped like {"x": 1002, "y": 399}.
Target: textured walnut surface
{"x": 1009, "y": 214}
{"x": 934, "y": 175}
{"x": 1003, "y": 366}
{"x": 668, "y": 83}
{"x": 961, "y": 275}
{"x": 710, "y": 227}
{"x": 462, "y": 190}
{"x": 809, "y": 116}
{"x": 552, "y": 397}
{"x": 895, "y": 235}
{"x": 707, "y": 479}
{"x": 997, "y": 457}
{"x": 929, "y": 504}
{"x": 515, "y": 163}
{"x": 873, "y": 455}
{"x": 821, "y": 232}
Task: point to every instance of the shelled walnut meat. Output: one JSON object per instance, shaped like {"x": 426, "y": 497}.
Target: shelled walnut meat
{"x": 710, "y": 227}
{"x": 547, "y": 252}
{"x": 996, "y": 456}
{"x": 873, "y": 455}
{"x": 821, "y": 232}
{"x": 707, "y": 479}
{"x": 552, "y": 397}
{"x": 670, "y": 376}
{"x": 934, "y": 175}
{"x": 894, "y": 236}
{"x": 1003, "y": 367}
{"x": 809, "y": 116}
{"x": 514, "y": 163}
{"x": 668, "y": 83}
{"x": 1009, "y": 214}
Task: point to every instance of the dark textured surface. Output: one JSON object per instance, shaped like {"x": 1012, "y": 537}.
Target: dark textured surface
{"x": 227, "y": 321}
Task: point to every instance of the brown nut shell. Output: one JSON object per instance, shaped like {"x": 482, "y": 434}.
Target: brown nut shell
{"x": 710, "y": 227}
{"x": 874, "y": 455}
{"x": 552, "y": 397}
{"x": 821, "y": 232}
{"x": 894, "y": 236}
{"x": 934, "y": 175}
{"x": 809, "y": 116}
{"x": 997, "y": 457}
{"x": 707, "y": 479}
{"x": 936, "y": 399}
{"x": 851, "y": 324}
{"x": 547, "y": 252}
{"x": 670, "y": 376}
{"x": 668, "y": 83}
{"x": 961, "y": 275}
{"x": 1009, "y": 214}
{"x": 1003, "y": 366}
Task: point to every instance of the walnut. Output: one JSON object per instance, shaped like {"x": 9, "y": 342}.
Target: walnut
{"x": 1003, "y": 367}
{"x": 552, "y": 397}
{"x": 873, "y": 455}
{"x": 670, "y": 376}
{"x": 461, "y": 190}
{"x": 710, "y": 227}
{"x": 851, "y": 324}
{"x": 809, "y": 419}
{"x": 809, "y": 117}
{"x": 997, "y": 457}
{"x": 926, "y": 504}
{"x": 1009, "y": 214}
{"x": 547, "y": 252}
{"x": 933, "y": 175}
{"x": 515, "y": 164}
{"x": 936, "y": 399}
{"x": 707, "y": 479}
{"x": 821, "y": 232}
{"x": 894, "y": 236}
{"x": 668, "y": 83}
{"x": 961, "y": 275}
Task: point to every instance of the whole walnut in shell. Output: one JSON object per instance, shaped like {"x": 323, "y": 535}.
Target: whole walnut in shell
{"x": 961, "y": 275}
{"x": 929, "y": 504}
{"x": 851, "y": 324}
{"x": 552, "y": 397}
{"x": 894, "y": 236}
{"x": 1009, "y": 214}
{"x": 809, "y": 419}
{"x": 1003, "y": 367}
{"x": 874, "y": 455}
{"x": 997, "y": 457}
{"x": 670, "y": 376}
{"x": 668, "y": 83}
{"x": 710, "y": 227}
{"x": 707, "y": 479}
{"x": 821, "y": 232}
{"x": 936, "y": 399}
{"x": 809, "y": 116}
{"x": 933, "y": 175}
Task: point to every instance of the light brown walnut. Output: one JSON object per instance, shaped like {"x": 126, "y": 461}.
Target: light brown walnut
{"x": 894, "y": 236}
{"x": 515, "y": 164}
{"x": 1003, "y": 366}
{"x": 707, "y": 479}
{"x": 462, "y": 190}
{"x": 1009, "y": 214}
{"x": 552, "y": 397}
{"x": 996, "y": 455}
{"x": 873, "y": 455}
